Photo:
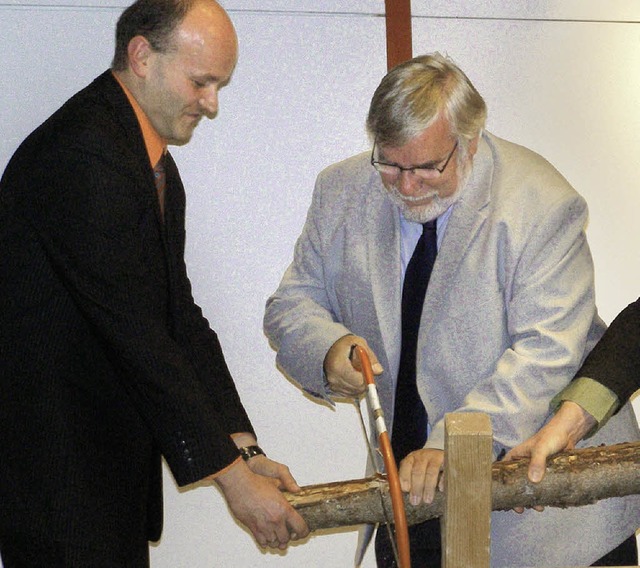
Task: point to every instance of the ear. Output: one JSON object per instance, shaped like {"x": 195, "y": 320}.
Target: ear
{"x": 139, "y": 51}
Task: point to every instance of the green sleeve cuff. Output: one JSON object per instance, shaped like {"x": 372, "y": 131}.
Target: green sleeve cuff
{"x": 591, "y": 395}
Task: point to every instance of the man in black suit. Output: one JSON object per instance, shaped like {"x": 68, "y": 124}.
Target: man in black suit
{"x": 106, "y": 362}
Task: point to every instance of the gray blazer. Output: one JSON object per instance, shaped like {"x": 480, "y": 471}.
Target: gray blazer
{"x": 508, "y": 317}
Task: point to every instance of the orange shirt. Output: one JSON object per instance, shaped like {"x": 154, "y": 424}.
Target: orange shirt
{"x": 156, "y": 145}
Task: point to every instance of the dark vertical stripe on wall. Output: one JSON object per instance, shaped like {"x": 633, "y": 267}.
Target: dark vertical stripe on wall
{"x": 399, "y": 43}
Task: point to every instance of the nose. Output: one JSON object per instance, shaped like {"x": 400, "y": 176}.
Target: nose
{"x": 408, "y": 184}
{"x": 209, "y": 101}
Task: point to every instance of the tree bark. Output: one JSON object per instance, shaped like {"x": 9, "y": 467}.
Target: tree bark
{"x": 576, "y": 478}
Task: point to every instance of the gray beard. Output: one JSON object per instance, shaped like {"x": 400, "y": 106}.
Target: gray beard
{"x": 436, "y": 207}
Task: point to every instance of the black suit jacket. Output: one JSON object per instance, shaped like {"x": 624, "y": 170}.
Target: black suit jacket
{"x": 615, "y": 360}
{"x": 106, "y": 362}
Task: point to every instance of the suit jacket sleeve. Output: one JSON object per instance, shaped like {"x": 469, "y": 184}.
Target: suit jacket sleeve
{"x": 615, "y": 360}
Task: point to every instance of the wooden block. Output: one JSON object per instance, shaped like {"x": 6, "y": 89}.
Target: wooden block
{"x": 466, "y": 522}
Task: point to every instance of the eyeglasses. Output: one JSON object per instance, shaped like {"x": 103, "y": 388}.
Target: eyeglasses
{"x": 425, "y": 171}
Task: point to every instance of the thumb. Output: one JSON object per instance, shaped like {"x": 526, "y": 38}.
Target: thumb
{"x": 537, "y": 466}
{"x": 376, "y": 367}
{"x": 289, "y": 483}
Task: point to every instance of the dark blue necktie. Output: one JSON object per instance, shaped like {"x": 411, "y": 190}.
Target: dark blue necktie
{"x": 410, "y": 417}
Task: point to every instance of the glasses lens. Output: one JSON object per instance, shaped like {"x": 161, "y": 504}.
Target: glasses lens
{"x": 426, "y": 173}
{"x": 387, "y": 169}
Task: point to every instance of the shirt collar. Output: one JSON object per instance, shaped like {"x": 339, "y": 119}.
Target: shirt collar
{"x": 155, "y": 144}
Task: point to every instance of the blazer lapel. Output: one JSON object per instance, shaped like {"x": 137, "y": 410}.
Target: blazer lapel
{"x": 126, "y": 115}
{"x": 383, "y": 251}
{"x": 466, "y": 219}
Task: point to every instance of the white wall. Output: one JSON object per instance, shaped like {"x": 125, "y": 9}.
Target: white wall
{"x": 560, "y": 77}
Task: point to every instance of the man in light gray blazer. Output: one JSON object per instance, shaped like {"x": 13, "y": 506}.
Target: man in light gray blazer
{"x": 509, "y": 312}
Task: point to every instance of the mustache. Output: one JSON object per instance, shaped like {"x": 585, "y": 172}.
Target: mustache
{"x": 432, "y": 194}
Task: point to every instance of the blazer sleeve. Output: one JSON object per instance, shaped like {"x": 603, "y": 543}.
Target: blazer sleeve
{"x": 301, "y": 318}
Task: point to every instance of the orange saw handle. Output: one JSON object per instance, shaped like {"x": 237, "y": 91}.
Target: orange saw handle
{"x": 397, "y": 501}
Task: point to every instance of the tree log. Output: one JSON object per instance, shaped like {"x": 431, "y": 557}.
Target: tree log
{"x": 573, "y": 479}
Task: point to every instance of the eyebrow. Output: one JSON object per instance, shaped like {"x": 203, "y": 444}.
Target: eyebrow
{"x": 208, "y": 78}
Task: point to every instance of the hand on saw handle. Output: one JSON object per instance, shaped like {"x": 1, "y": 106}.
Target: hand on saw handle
{"x": 343, "y": 379}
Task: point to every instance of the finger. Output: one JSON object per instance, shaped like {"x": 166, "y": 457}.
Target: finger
{"x": 430, "y": 483}
{"x": 512, "y": 454}
{"x": 272, "y": 534}
{"x": 262, "y": 540}
{"x": 356, "y": 383}
{"x": 419, "y": 476}
{"x": 520, "y": 510}
{"x": 353, "y": 382}
{"x": 376, "y": 367}
{"x": 418, "y": 481}
{"x": 521, "y": 451}
{"x": 345, "y": 379}
{"x": 337, "y": 364}
{"x": 404, "y": 473}
{"x": 290, "y": 484}
{"x": 275, "y": 543}
{"x": 538, "y": 465}
{"x": 344, "y": 388}
{"x": 297, "y": 525}
{"x": 282, "y": 535}
{"x": 287, "y": 480}
{"x": 345, "y": 384}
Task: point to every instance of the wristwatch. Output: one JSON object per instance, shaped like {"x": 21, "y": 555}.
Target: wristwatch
{"x": 249, "y": 452}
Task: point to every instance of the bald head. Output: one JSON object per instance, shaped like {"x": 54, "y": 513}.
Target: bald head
{"x": 158, "y": 20}
{"x": 207, "y": 25}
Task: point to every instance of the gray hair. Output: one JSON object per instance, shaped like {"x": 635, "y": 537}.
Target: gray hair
{"x": 412, "y": 96}
{"x": 156, "y": 20}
